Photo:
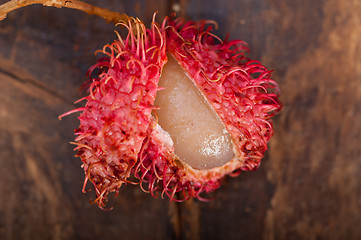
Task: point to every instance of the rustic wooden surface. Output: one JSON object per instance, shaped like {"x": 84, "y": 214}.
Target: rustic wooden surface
{"x": 308, "y": 186}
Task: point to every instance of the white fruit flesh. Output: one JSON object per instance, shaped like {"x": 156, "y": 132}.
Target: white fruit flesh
{"x": 200, "y": 138}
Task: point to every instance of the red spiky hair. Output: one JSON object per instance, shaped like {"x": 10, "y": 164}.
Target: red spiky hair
{"x": 116, "y": 116}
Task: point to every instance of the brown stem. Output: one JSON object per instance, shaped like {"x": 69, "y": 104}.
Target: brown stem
{"x": 108, "y": 15}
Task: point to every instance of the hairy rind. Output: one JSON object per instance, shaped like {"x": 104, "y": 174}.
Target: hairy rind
{"x": 118, "y": 137}
{"x": 116, "y": 117}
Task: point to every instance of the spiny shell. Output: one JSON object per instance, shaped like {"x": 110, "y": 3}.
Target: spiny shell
{"x": 238, "y": 89}
{"x": 116, "y": 118}
{"x": 118, "y": 137}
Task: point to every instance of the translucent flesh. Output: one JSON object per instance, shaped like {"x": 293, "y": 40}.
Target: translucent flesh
{"x": 200, "y": 139}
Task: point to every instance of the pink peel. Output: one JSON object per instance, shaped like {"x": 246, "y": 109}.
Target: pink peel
{"x": 119, "y": 136}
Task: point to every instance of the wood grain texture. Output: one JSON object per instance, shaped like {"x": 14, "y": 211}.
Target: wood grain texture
{"x": 308, "y": 186}
{"x": 44, "y": 56}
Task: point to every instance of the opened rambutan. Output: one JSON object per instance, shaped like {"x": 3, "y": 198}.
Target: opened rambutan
{"x": 175, "y": 109}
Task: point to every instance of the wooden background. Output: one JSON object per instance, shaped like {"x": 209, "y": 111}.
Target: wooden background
{"x": 308, "y": 186}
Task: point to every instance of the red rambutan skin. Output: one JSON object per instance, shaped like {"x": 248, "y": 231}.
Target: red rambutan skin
{"x": 117, "y": 113}
{"x": 118, "y": 137}
{"x": 238, "y": 89}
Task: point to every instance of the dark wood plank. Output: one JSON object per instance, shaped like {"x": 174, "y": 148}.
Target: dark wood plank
{"x": 316, "y": 154}
{"x": 44, "y": 56}
{"x": 308, "y": 186}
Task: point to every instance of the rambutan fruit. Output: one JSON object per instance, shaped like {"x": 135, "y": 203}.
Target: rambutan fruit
{"x": 175, "y": 109}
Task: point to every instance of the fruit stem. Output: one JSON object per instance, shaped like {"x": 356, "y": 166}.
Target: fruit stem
{"x": 106, "y": 14}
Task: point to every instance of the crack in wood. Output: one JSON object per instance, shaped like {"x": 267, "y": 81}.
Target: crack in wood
{"x": 17, "y": 75}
